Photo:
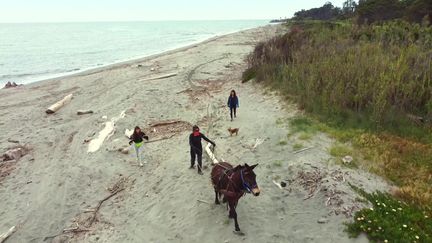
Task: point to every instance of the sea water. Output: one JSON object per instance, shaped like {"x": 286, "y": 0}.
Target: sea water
{"x": 35, "y": 51}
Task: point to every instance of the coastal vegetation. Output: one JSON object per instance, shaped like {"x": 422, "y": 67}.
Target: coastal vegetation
{"x": 363, "y": 74}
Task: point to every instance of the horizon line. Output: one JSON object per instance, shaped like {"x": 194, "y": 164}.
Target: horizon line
{"x": 111, "y": 21}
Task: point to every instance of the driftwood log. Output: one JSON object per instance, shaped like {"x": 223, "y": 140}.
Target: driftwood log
{"x": 100, "y": 204}
{"x": 11, "y": 85}
{"x": 277, "y": 184}
{"x": 211, "y": 154}
{"x": 83, "y": 112}
{"x": 164, "y": 123}
{"x": 302, "y": 150}
{"x": 12, "y": 140}
{"x": 105, "y": 133}
{"x": 57, "y": 106}
{"x": 159, "y": 139}
{"x": 128, "y": 133}
{"x": 4, "y": 236}
{"x": 202, "y": 201}
{"x": 258, "y": 142}
{"x": 169, "y": 75}
{"x": 15, "y": 153}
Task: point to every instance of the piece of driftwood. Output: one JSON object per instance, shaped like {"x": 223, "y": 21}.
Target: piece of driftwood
{"x": 115, "y": 189}
{"x": 159, "y": 139}
{"x": 124, "y": 150}
{"x": 184, "y": 91}
{"x": 67, "y": 231}
{"x": 211, "y": 154}
{"x": 258, "y": 142}
{"x": 100, "y": 204}
{"x": 277, "y": 184}
{"x": 12, "y": 140}
{"x": 84, "y": 112}
{"x": 165, "y": 123}
{"x": 57, "y": 106}
{"x": 302, "y": 150}
{"x": 75, "y": 230}
{"x": 105, "y": 133}
{"x": 169, "y": 75}
{"x": 11, "y": 85}
{"x": 6, "y": 235}
{"x": 418, "y": 120}
{"x": 15, "y": 153}
{"x": 128, "y": 133}
{"x": 202, "y": 201}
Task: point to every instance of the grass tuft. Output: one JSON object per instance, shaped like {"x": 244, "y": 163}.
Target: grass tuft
{"x": 278, "y": 163}
{"x": 298, "y": 146}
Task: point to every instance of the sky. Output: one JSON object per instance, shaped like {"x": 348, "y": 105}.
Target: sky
{"x": 13, "y": 11}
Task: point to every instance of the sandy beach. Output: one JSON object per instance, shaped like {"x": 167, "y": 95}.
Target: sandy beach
{"x": 51, "y": 191}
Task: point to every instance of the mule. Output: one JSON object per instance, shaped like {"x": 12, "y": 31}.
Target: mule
{"x": 233, "y": 183}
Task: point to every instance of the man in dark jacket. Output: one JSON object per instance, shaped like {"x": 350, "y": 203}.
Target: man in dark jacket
{"x": 196, "y": 147}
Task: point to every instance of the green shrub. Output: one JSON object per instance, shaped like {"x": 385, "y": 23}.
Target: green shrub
{"x": 249, "y": 74}
{"x": 340, "y": 151}
{"x": 377, "y": 76}
{"x": 390, "y": 220}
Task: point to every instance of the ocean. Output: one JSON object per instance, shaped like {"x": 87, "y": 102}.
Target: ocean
{"x": 37, "y": 51}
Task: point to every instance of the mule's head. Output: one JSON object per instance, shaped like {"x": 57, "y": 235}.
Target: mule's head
{"x": 249, "y": 180}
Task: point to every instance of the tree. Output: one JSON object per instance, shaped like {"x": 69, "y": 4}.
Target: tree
{"x": 326, "y": 12}
{"x": 369, "y": 11}
{"x": 418, "y": 10}
{"x": 349, "y": 7}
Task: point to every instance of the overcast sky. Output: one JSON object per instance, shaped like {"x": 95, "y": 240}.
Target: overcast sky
{"x": 132, "y": 10}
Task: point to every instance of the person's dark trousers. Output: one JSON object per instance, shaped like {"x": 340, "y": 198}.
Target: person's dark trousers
{"x": 232, "y": 109}
{"x": 196, "y": 153}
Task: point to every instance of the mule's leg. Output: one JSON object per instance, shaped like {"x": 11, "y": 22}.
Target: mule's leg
{"x": 216, "y": 197}
{"x": 233, "y": 214}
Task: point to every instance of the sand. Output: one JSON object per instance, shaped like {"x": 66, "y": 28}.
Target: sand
{"x": 49, "y": 189}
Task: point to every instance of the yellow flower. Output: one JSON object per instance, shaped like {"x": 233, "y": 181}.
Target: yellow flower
{"x": 400, "y": 209}
{"x": 417, "y": 237}
{"x": 404, "y": 225}
{"x": 385, "y": 241}
{"x": 394, "y": 210}
{"x": 371, "y": 209}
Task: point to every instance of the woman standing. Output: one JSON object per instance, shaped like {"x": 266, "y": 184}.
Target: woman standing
{"x": 233, "y": 103}
{"x": 196, "y": 147}
{"x": 137, "y": 138}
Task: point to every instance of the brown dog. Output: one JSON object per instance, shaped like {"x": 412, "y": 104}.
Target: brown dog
{"x": 233, "y": 130}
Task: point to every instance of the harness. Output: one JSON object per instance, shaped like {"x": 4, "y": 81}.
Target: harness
{"x": 245, "y": 185}
{"x": 225, "y": 173}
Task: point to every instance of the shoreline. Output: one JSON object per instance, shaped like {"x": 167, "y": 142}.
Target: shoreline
{"x": 121, "y": 63}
